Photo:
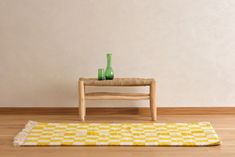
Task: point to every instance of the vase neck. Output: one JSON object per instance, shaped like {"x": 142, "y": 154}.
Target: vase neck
{"x": 109, "y": 60}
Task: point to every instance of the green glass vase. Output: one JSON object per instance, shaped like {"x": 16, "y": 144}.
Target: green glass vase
{"x": 109, "y": 75}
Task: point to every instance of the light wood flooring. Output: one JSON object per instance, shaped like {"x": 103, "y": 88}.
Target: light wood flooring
{"x": 11, "y": 124}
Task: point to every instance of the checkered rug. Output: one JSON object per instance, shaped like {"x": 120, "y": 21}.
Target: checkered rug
{"x": 135, "y": 134}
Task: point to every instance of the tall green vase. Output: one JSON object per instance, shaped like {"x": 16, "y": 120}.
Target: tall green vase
{"x": 109, "y": 75}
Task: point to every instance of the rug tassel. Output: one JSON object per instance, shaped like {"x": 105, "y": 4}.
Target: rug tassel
{"x": 21, "y": 136}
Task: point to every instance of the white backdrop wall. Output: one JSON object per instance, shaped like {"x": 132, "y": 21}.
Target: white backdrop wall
{"x": 187, "y": 45}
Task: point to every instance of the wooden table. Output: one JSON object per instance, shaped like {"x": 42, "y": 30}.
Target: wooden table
{"x": 126, "y": 82}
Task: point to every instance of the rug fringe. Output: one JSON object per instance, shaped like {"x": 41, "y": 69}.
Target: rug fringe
{"x": 21, "y": 136}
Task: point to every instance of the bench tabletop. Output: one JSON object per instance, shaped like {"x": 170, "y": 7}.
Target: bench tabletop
{"x": 118, "y": 82}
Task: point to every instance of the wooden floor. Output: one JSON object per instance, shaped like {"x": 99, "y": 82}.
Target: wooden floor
{"x": 11, "y": 124}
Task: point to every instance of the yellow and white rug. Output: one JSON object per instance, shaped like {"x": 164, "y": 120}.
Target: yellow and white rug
{"x": 135, "y": 134}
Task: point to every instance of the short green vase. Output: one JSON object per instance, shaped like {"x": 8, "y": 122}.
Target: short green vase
{"x": 109, "y": 75}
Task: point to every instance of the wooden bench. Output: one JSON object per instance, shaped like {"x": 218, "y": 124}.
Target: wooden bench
{"x": 83, "y": 82}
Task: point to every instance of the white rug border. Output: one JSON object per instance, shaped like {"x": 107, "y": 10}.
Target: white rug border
{"x": 21, "y": 136}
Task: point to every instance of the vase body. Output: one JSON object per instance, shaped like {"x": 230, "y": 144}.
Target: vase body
{"x": 109, "y": 75}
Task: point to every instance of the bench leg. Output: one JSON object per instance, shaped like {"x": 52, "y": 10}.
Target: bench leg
{"x": 153, "y": 103}
{"x": 82, "y": 107}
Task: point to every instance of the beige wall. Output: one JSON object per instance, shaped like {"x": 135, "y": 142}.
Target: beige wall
{"x": 187, "y": 45}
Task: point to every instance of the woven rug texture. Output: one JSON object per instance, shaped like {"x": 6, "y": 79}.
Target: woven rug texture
{"x": 117, "y": 134}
